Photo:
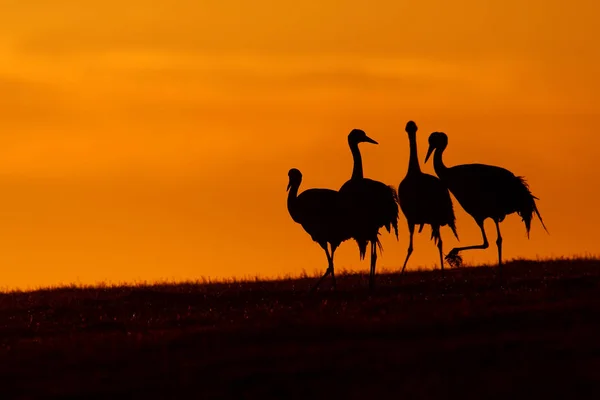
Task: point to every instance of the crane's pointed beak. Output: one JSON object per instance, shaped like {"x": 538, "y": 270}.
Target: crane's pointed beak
{"x": 369, "y": 140}
{"x": 429, "y": 151}
{"x": 288, "y": 186}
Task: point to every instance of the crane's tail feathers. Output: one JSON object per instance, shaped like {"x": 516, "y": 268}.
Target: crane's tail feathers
{"x": 435, "y": 234}
{"x": 362, "y": 248}
{"x": 452, "y": 219}
{"x": 379, "y": 246}
{"x": 392, "y": 224}
{"x": 527, "y": 206}
{"x": 395, "y": 194}
{"x": 537, "y": 212}
{"x": 394, "y": 210}
{"x": 452, "y": 226}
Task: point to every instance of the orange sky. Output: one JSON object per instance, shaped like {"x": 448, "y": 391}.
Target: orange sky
{"x": 151, "y": 140}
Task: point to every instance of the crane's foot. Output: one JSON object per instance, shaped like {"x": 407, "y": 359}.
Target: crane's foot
{"x": 454, "y": 259}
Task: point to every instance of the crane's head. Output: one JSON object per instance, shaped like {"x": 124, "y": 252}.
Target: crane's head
{"x": 358, "y": 136}
{"x": 411, "y": 127}
{"x": 295, "y": 178}
{"x": 437, "y": 140}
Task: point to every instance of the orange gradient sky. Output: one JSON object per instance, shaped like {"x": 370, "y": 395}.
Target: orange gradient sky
{"x": 151, "y": 140}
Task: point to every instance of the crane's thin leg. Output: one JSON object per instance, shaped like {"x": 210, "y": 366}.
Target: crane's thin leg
{"x": 329, "y": 268}
{"x": 333, "y": 248}
{"x": 439, "y": 246}
{"x": 373, "y": 264}
{"x": 371, "y": 267}
{"x": 411, "y": 230}
{"x": 499, "y": 244}
{"x": 454, "y": 252}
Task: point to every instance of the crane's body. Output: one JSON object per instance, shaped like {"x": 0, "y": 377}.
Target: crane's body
{"x": 321, "y": 215}
{"x": 369, "y": 205}
{"x": 424, "y": 200}
{"x": 484, "y": 191}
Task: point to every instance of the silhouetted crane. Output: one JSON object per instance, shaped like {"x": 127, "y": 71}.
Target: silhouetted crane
{"x": 369, "y": 205}
{"x": 484, "y": 191}
{"x": 321, "y": 215}
{"x": 424, "y": 199}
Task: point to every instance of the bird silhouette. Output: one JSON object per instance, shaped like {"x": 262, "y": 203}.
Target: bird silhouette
{"x": 320, "y": 214}
{"x": 424, "y": 199}
{"x": 484, "y": 191}
{"x": 369, "y": 205}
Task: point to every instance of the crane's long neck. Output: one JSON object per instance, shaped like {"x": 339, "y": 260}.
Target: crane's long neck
{"x": 357, "y": 171}
{"x": 291, "y": 201}
{"x": 438, "y": 163}
{"x": 413, "y": 161}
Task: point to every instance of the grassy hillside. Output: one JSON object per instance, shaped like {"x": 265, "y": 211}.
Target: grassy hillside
{"x": 534, "y": 334}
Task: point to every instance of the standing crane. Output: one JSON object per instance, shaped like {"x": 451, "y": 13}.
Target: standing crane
{"x": 424, "y": 199}
{"x": 484, "y": 191}
{"x": 369, "y": 205}
{"x": 320, "y": 214}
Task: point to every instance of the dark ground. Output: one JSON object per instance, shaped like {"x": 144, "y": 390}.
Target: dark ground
{"x": 419, "y": 337}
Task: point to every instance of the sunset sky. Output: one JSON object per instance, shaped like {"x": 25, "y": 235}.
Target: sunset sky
{"x": 151, "y": 140}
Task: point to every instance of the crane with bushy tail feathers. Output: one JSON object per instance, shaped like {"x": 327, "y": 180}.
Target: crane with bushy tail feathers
{"x": 369, "y": 204}
{"x": 424, "y": 199}
{"x": 484, "y": 191}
